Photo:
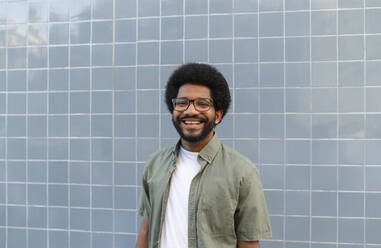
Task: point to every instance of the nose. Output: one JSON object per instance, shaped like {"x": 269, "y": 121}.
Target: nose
{"x": 191, "y": 109}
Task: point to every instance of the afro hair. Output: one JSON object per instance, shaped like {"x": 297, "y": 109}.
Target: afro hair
{"x": 199, "y": 74}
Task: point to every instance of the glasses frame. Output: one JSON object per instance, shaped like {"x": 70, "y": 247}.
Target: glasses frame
{"x": 211, "y": 103}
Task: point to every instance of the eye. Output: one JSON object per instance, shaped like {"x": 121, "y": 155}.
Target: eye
{"x": 181, "y": 102}
{"x": 203, "y": 103}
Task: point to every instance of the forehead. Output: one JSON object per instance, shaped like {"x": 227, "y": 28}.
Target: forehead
{"x": 192, "y": 91}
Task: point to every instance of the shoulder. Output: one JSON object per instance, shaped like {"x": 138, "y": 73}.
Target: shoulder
{"x": 238, "y": 160}
{"x": 159, "y": 159}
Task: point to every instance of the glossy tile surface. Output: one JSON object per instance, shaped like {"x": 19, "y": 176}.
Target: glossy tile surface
{"x": 81, "y": 109}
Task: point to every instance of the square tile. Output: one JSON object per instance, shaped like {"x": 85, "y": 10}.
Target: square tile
{"x": 172, "y": 52}
{"x": 323, "y": 230}
{"x": 80, "y": 219}
{"x": 148, "y": 29}
{"x": 196, "y": 27}
{"x": 297, "y": 228}
{"x": 196, "y": 51}
{"x": 351, "y": 178}
{"x": 271, "y": 100}
{"x": 271, "y": 126}
{"x": 59, "y": 33}
{"x": 351, "y": 126}
{"x": 298, "y": 100}
{"x": 351, "y": 48}
{"x": 59, "y": 79}
{"x": 351, "y": 230}
{"x": 372, "y": 183}
{"x": 324, "y": 203}
{"x": 297, "y": 23}
{"x": 271, "y": 5}
{"x": 245, "y": 51}
{"x": 351, "y": 21}
{"x": 221, "y": 26}
{"x": 352, "y": 73}
{"x": 323, "y": 22}
{"x": 102, "y": 9}
{"x": 324, "y": 126}
{"x": 351, "y": 204}
{"x": 172, "y": 28}
{"x": 271, "y": 151}
{"x": 297, "y": 203}
{"x": 216, "y": 6}
{"x": 324, "y": 100}
{"x": 59, "y": 239}
{"x": 102, "y": 32}
{"x": 270, "y": 24}
{"x": 80, "y": 10}
{"x": 298, "y": 152}
{"x": 149, "y": 8}
{"x": 271, "y": 75}
{"x": 125, "y": 31}
{"x": 323, "y": 48}
{"x": 101, "y": 149}
{"x": 298, "y": 177}
{"x": 125, "y": 8}
{"x": 271, "y": 49}
{"x": 80, "y": 33}
{"x": 246, "y": 25}
{"x": 246, "y": 126}
{"x": 372, "y": 52}
{"x": 298, "y": 126}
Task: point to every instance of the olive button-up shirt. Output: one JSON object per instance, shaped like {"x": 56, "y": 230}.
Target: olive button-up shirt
{"x": 226, "y": 200}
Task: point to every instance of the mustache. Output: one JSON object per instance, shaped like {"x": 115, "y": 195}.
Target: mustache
{"x": 201, "y": 119}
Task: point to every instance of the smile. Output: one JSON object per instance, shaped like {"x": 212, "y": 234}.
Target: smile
{"x": 192, "y": 122}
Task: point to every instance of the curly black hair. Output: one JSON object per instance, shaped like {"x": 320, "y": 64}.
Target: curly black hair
{"x": 200, "y": 74}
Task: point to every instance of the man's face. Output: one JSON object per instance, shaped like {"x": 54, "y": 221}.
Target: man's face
{"x": 192, "y": 125}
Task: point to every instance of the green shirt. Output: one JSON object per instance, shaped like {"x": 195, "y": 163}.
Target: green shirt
{"x": 226, "y": 200}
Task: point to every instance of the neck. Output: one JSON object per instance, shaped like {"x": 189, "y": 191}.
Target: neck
{"x": 196, "y": 146}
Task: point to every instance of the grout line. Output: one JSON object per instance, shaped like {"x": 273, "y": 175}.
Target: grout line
{"x": 364, "y": 145}
{"x": 337, "y": 125}
{"x": 6, "y": 131}
{"x": 233, "y": 97}
{"x": 284, "y": 170}
{"x": 47, "y": 132}
{"x": 208, "y": 35}
{"x": 310, "y": 125}
{"x": 68, "y": 125}
{"x": 27, "y": 134}
{"x": 113, "y": 122}
{"x": 90, "y": 120}
{"x": 284, "y": 121}
{"x": 136, "y": 104}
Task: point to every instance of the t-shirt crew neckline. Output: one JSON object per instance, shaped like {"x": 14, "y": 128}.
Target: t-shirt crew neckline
{"x": 188, "y": 154}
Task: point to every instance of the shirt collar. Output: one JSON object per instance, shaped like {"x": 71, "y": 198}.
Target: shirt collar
{"x": 207, "y": 153}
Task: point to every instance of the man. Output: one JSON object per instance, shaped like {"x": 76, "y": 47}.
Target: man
{"x": 200, "y": 193}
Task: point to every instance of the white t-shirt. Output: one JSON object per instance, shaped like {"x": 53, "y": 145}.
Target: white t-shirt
{"x": 175, "y": 229}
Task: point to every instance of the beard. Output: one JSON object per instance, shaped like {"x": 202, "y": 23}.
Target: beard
{"x": 208, "y": 127}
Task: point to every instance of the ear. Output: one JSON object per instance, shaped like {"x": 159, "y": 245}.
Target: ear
{"x": 219, "y": 114}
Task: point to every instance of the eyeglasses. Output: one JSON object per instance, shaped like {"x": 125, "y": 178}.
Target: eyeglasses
{"x": 200, "y": 104}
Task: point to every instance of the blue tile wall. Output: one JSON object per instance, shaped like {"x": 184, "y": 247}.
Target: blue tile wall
{"x": 81, "y": 109}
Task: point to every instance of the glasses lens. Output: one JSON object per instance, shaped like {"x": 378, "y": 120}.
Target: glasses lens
{"x": 181, "y": 104}
{"x": 202, "y": 104}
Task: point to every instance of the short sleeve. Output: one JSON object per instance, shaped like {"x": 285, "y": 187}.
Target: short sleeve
{"x": 251, "y": 217}
{"x": 144, "y": 208}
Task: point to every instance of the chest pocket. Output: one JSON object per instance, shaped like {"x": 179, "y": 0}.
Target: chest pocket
{"x": 216, "y": 207}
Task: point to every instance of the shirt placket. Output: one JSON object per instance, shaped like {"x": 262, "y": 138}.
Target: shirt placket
{"x": 165, "y": 201}
{"x": 192, "y": 206}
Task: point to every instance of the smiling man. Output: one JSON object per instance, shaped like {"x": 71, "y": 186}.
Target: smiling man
{"x": 200, "y": 193}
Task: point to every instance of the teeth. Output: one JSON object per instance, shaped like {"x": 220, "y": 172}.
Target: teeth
{"x": 191, "y": 122}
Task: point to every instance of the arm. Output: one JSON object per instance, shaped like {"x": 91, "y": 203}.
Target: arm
{"x": 247, "y": 244}
{"x": 142, "y": 241}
